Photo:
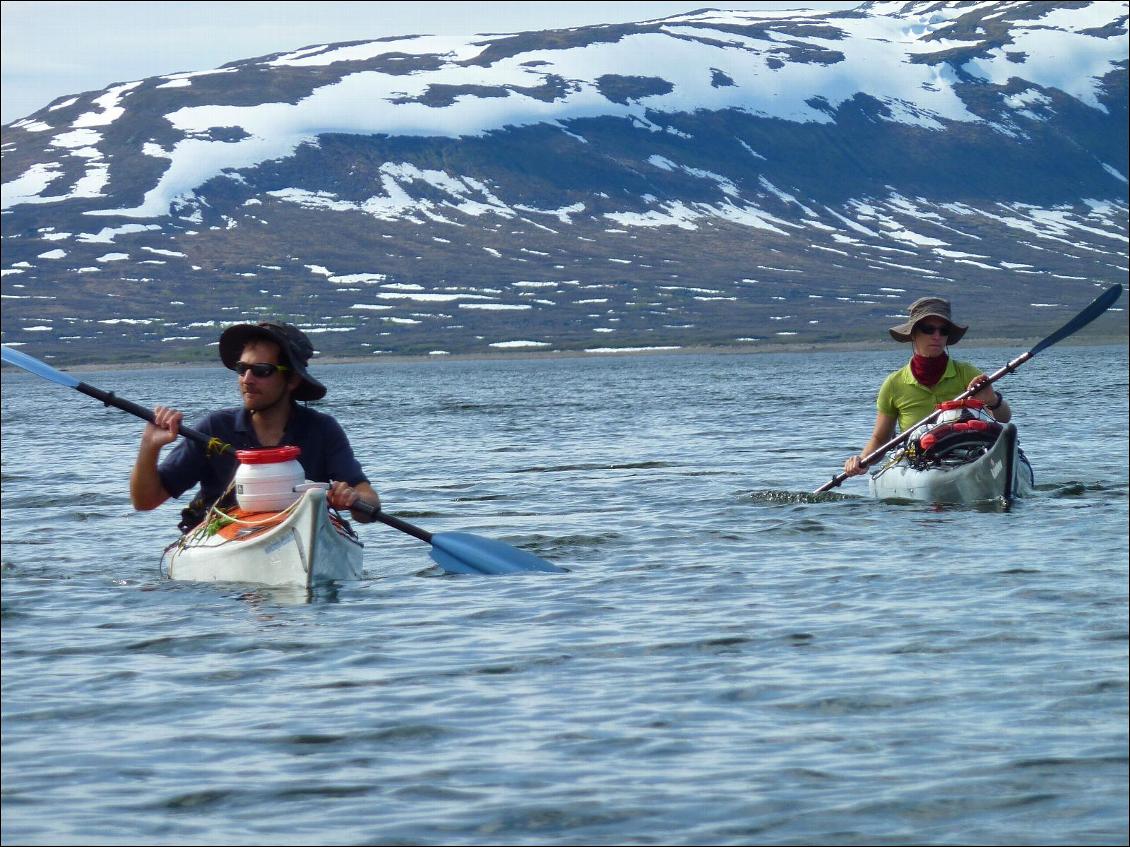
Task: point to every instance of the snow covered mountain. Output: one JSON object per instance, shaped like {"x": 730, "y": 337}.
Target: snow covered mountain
{"x": 711, "y": 178}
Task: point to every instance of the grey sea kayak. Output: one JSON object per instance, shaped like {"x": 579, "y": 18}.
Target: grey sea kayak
{"x": 972, "y": 466}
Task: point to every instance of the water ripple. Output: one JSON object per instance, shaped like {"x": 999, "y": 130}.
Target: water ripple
{"x": 730, "y": 659}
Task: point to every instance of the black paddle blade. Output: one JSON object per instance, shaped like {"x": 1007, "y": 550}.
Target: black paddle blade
{"x": 1101, "y": 303}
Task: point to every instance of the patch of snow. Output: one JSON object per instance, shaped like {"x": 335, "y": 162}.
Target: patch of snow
{"x": 497, "y": 307}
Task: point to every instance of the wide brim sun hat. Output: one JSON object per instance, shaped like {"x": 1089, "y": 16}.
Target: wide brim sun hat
{"x": 926, "y": 307}
{"x": 295, "y": 346}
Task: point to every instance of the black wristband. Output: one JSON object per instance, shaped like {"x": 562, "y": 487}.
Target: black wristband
{"x": 997, "y": 403}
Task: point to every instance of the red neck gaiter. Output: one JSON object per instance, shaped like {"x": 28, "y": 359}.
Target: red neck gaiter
{"x": 928, "y": 369}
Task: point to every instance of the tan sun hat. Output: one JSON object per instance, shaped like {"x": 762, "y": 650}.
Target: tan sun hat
{"x": 295, "y": 346}
{"x": 926, "y": 307}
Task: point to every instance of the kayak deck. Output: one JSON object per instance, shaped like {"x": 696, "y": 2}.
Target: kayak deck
{"x": 1000, "y": 472}
{"x": 302, "y": 545}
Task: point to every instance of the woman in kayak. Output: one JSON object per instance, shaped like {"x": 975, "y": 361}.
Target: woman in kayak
{"x": 270, "y": 359}
{"x": 930, "y": 377}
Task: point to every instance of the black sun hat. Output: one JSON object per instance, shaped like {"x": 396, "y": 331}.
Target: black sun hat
{"x": 926, "y": 307}
{"x": 295, "y": 346}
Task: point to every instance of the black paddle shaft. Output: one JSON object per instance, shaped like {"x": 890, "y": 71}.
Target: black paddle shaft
{"x": 396, "y": 523}
{"x": 109, "y": 398}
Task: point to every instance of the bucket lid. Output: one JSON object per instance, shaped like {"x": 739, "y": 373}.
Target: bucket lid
{"x": 268, "y": 455}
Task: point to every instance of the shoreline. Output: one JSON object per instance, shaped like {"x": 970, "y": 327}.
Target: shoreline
{"x": 701, "y": 350}
{"x": 536, "y": 355}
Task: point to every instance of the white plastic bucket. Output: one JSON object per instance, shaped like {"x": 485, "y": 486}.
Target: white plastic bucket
{"x": 267, "y": 478}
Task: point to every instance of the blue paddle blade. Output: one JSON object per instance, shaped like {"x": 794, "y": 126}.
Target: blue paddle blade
{"x": 33, "y": 365}
{"x": 461, "y": 552}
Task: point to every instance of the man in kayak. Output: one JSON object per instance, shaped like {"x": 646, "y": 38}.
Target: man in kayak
{"x": 930, "y": 377}
{"x": 270, "y": 359}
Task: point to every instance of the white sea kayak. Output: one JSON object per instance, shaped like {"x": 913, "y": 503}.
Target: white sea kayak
{"x": 304, "y": 544}
{"x": 958, "y": 466}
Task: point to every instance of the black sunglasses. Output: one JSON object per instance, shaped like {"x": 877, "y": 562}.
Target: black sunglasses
{"x": 260, "y": 369}
{"x": 932, "y": 329}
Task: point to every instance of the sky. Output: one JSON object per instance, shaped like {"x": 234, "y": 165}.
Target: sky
{"x": 50, "y": 49}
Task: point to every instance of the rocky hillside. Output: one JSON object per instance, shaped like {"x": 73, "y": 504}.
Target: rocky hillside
{"x": 715, "y": 178}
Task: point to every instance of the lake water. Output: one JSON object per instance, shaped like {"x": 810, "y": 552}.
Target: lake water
{"x": 729, "y": 660}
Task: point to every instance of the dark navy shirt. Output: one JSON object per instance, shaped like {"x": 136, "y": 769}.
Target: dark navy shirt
{"x": 326, "y": 454}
